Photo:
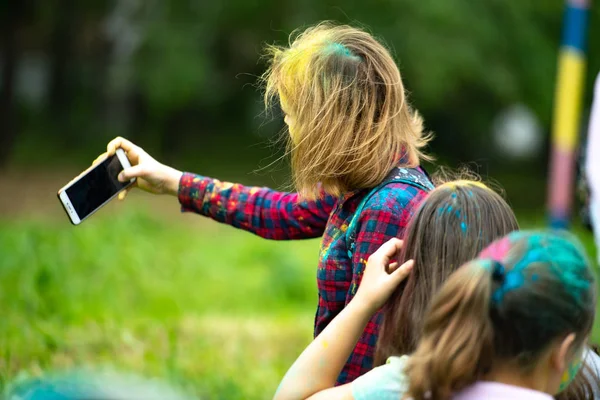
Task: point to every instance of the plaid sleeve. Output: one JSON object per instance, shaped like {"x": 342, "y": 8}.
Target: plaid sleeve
{"x": 385, "y": 216}
{"x": 265, "y": 212}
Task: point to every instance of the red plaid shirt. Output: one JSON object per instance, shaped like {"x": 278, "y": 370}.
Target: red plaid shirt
{"x": 283, "y": 216}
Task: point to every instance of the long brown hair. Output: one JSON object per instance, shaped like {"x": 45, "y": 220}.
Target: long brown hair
{"x": 454, "y": 223}
{"x": 351, "y": 118}
{"x": 523, "y": 293}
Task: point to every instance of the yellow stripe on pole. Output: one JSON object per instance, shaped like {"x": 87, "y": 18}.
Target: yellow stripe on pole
{"x": 567, "y": 108}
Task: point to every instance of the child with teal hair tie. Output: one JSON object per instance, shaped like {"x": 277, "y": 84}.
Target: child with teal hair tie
{"x": 512, "y": 324}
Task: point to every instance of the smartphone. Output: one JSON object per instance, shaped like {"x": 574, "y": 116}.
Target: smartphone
{"x": 95, "y": 187}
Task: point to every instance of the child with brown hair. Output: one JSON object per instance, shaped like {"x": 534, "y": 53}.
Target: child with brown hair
{"x": 355, "y": 147}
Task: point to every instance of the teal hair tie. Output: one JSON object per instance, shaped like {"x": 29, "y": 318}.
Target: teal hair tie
{"x": 498, "y": 272}
{"x": 508, "y": 281}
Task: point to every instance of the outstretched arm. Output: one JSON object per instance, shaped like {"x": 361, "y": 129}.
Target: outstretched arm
{"x": 265, "y": 212}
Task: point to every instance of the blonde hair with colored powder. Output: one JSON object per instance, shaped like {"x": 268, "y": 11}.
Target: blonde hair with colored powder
{"x": 351, "y": 121}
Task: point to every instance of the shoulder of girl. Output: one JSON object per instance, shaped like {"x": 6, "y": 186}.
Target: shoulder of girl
{"x": 397, "y": 363}
{"x": 592, "y": 359}
{"x": 394, "y": 197}
{"x": 387, "y": 381}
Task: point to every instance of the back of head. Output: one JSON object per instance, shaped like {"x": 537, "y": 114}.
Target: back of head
{"x": 453, "y": 224}
{"x": 508, "y": 307}
{"x": 345, "y": 96}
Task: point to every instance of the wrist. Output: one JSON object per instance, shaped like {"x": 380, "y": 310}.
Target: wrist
{"x": 363, "y": 308}
{"x": 172, "y": 179}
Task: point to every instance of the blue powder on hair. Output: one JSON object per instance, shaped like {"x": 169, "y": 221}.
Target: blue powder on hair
{"x": 564, "y": 258}
{"x": 457, "y": 213}
{"x": 454, "y": 195}
{"x": 339, "y": 49}
{"x": 514, "y": 280}
{"x": 443, "y": 209}
{"x": 463, "y": 226}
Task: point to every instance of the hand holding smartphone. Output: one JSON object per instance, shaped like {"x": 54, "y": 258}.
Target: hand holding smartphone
{"x": 95, "y": 187}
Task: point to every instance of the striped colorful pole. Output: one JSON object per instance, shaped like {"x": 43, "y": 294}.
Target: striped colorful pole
{"x": 567, "y": 112}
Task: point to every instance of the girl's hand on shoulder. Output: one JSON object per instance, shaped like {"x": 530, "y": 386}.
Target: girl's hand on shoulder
{"x": 381, "y": 277}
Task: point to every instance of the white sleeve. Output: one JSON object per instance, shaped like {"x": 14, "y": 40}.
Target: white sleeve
{"x": 592, "y": 163}
{"x": 592, "y": 360}
{"x": 386, "y": 382}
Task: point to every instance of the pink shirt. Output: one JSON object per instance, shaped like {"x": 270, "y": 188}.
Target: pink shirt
{"x": 389, "y": 382}
{"x": 499, "y": 391}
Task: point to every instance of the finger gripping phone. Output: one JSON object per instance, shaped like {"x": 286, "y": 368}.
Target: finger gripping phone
{"x": 95, "y": 187}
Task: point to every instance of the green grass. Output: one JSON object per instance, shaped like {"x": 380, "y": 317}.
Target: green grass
{"x": 202, "y": 306}
{"x": 209, "y": 306}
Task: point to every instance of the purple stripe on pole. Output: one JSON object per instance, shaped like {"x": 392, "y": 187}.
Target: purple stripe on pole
{"x": 562, "y": 173}
{"x": 579, "y": 3}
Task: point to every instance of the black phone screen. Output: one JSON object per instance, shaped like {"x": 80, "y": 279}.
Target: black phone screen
{"x": 96, "y": 187}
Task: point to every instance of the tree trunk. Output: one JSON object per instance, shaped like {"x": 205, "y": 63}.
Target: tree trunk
{"x": 61, "y": 48}
{"x": 9, "y": 55}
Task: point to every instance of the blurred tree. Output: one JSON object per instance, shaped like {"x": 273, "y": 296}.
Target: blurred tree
{"x": 12, "y": 18}
{"x": 182, "y": 73}
{"x": 123, "y": 31}
{"x": 61, "y": 54}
